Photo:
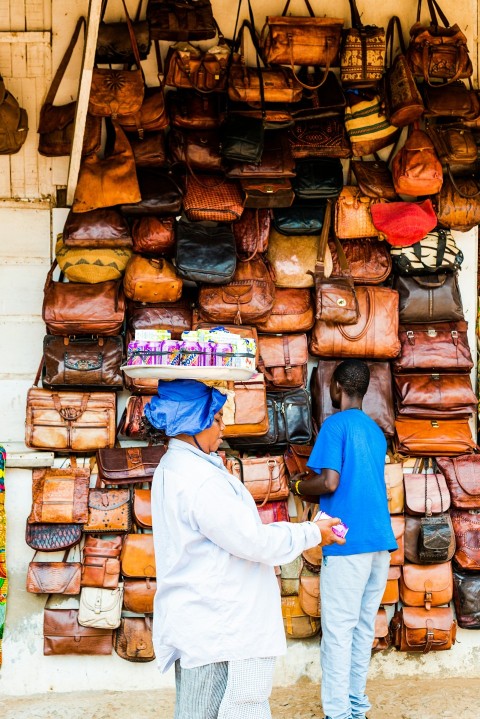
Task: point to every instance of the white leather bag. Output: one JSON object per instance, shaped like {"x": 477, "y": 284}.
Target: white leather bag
{"x": 101, "y": 608}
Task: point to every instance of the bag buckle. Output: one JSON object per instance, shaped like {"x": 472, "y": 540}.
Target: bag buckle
{"x": 434, "y": 424}
{"x": 69, "y": 414}
{"x": 435, "y": 376}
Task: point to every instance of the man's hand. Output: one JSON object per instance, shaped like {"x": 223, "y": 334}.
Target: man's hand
{"x": 325, "y": 527}
{"x": 295, "y": 478}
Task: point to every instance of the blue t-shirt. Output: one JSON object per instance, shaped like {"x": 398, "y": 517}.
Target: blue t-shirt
{"x": 353, "y": 445}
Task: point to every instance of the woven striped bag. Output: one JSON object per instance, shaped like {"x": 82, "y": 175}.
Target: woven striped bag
{"x": 91, "y": 265}
{"x": 436, "y": 252}
{"x": 367, "y": 126}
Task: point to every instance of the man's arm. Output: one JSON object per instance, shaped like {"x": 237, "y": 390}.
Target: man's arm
{"x": 310, "y": 489}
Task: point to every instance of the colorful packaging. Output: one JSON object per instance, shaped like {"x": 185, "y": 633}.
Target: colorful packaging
{"x": 171, "y": 351}
{"x": 340, "y": 529}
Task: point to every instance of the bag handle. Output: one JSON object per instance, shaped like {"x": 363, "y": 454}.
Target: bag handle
{"x": 429, "y": 285}
{"x": 356, "y": 21}
{"x": 393, "y": 23}
{"x": 131, "y": 33}
{"x": 456, "y": 187}
{"x": 432, "y": 7}
{"x": 309, "y": 8}
{"x": 370, "y": 295}
{"x": 58, "y": 77}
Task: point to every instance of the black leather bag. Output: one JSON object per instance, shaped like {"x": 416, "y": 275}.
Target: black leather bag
{"x": 300, "y": 218}
{"x": 318, "y": 178}
{"x": 242, "y": 138}
{"x": 434, "y": 539}
{"x": 205, "y": 252}
{"x": 466, "y": 597}
{"x": 160, "y": 191}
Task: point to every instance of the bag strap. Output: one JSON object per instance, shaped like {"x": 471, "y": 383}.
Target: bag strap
{"x": 456, "y": 187}
{"x": 309, "y": 8}
{"x": 393, "y": 23}
{"x": 432, "y": 7}
{"x": 370, "y": 295}
{"x": 58, "y": 77}
{"x": 356, "y": 21}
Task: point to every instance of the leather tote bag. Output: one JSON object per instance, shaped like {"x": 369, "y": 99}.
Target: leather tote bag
{"x": 109, "y": 510}
{"x": 151, "y": 280}
{"x": 205, "y": 253}
{"x": 96, "y": 229}
{"x": 264, "y": 477}
{"x": 100, "y": 608}
{"x": 62, "y": 634}
{"x": 466, "y": 525}
{"x": 416, "y": 169}
{"x": 466, "y": 592}
{"x": 292, "y": 311}
{"x": 101, "y": 562}
{"x": 462, "y": 475}
{"x": 416, "y": 629}
{"x": 374, "y": 336}
{"x": 429, "y": 438}
{"x": 353, "y": 217}
{"x": 54, "y": 577}
{"x": 426, "y": 586}
{"x": 250, "y": 418}
{"x": 439, "y": 396}
{"x": 435, "y": 347}
{"x": 433, "y": 298}
{"x": 188, "y": 20}
{"x": 283, "y": 360}
{"x": 403, "y": 101}
{"x": 60, "y": 495}
{"x": 138, "y": 595}
{"x": 362, "y": 60}
{"x": 128, "y": 465}
{"x": 82, "y": 363}
{"x": 133, "y": 639}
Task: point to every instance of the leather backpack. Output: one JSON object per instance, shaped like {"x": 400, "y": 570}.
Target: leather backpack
{"x": 416, "y": 168}
{"x": 151, "y": 280}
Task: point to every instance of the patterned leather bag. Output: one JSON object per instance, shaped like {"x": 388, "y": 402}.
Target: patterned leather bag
{"x": 208, "y": 198}
{"x": 81, "y": 362}
{"x": 322, "y": 137}
{"x": 466, "y": 525}
{"x": 60, "y": 495}
{"x": 54, "y": 577}
{"x": 362, "y": 59}
{"x": 108, "y": 511}
{"x": 52, "y": 537}
{"x": 403, "y": 101}
{"x": 366, "y": 124}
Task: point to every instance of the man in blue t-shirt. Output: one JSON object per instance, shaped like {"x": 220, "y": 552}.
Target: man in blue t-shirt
{"x": 348, "y": 459}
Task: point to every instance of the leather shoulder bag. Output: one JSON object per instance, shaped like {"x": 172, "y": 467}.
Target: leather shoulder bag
{"x": 462, "y": 475}
{"x": 369, "y": 259}
{"x": 138, "y": 595}
{"x": 207, "y": 198}
{"x": 133, "y": 639}
{"x": 322, "y": 137}
{"x": 62, "y": 634}
{"x": 13, "y": 122}
{"x": 264, "y": 477}
{"x": 292, "y": 311}
{"x": 397, "y": 557}
{"x": 433, "y": 298}
{"x": 142, "y": 507}
{"x": 381, "y": 639}
{"x": 297, "y": 624}
{"x": 60, "y": 495}
{"x": 393, "y": 474}
{"x": 109, "y": 511}
{"x": 373, "y": 177}
{"x": 455, "y": 100}
{"x": 138, "y": 557}
{"x": 251, "y": 232}
{"x": 428, "y": 438}
{"x": 458, "y": 203}
{"x": 283, "y": 360}
{"x": 205, "y": 253}
{"x": 262, "y": 194}
{"x": 300, "y": 218}
{"x": 198, "y": 150}
{"x": 250, "y": 418}
{"x": 428, "y": 539}
{"x": 417, "y": 629}
{"x": 403, "y": 101}
{"x": 353, "y": 218}
{"x": 160, "y": 193}
{"x": 154, "y": 235}
{"x": 82, "y": 363}
{"x": 52, "y": 537}
{"x": 362, "y": 59}
{"x": 128, "y": 465}
{"x": 176, "y": 317}
{"x": 151, "y": 280}
{"x": 425, "y": 493}
{"x": 466, "y": 586}
{"x": 416, "y": 168}
{"x": 54, "y": 577}
{"x": 426, "y": 586}
{"x": 317, "y": 177}
{"x": 466, "y": 525}
{"x": 114, "y": 44}
{"x": 438, "y": 346}
{"x": 101, "y": 562}
{"x": 100, "y": 608}
{"x": 100, "y": 228}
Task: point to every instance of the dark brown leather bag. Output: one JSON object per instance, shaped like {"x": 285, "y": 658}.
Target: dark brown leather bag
{"x": 190, "y": 110}
{"x": 466, "y": 525}
{"x": 374, "y": 178}
{"x": 191, "y": 68}
{"x": 434, "y": 396}
{"x": 62, "y": 634}
{"x": 280, "y": 84}
{"x": 251, "y": 232}
{"x": 292, "y": 311}
{"x": 263, "y": 194}
{"x": 466, "y": 588}
{"x": 283, "y": 360}
{"x": 415, "y": 629}
{"x": 276, "y": 162}
{"x": 251, "y": 416}
{"x": 60, "y": 495}
{"x": 199, "y": 150}
{"x": 54, "y": 577}
{"x": 188, "y": 20}
{"x": 369, "y": 260}
{"x": 103, "y": 228}
{"x": 82, "y": 363}
{"x": 377, "y": 403}
{"x": 113, "y": 41}
{"x": 176, "y": 317}
{"x": 325, "y": 137}
{"x": 76, "y": 308}
{"x": 296, "y": 458}
{"x": 462, "y": 475}
{"x": 440, "y": 347}
{"x": 428, "y": 438}
{"x": 132, "y": 423}
{"x": 435, "y": 298}
{"x": 101, "y": 562}
{"x": 149, "y": 151}
{"x": 154, "y": 235}
{"x": 138, "y": 595}
{"x": 403, "y": 101}
{"x": 133, "y": 639}
{"x": 128, "y": 465}
{"x": 151, "y": 117}
{"x": 458, "y": 203}
{"x": 416, "y": 169}
{"x": 138, "y": 556}
{"x": 109, "y": 511}
{"x": 412, "y": 540}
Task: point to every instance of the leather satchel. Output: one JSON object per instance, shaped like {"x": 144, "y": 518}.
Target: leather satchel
{"x": 381, "y": 640}
{"x": 433, "y": 298}
{"x": 149, "y": 279}
{"x": 154, "y": 235}
{"x": 362, "y": 59}
{"x": 251, "y": 233}
{"x": 149, "y": 151}
{"x": 283, "y": 360}
{"x": 54, "y": 577}
{"x": 375, "y": 335}
{"x": 96, "y": 229}
{"x": 187, "y": 20}
{"x": 142, "y": 507}
{"x": 82, "y": 363}
{"x": 416, "y": 169}
{"x": 264, "y": 477}
{"x": 133, "y": 639}
{"x": 369, "y": 260}
{"x": 138, "y": 556}
{"x": 462, "y": 475}
{"x": 109, "y": 511}
{"x": 189, "y": 67}
{"x": 133, "y": 425}
{"x": 138, "y": 595}
{"x": 419, "y": 630}
{"x": 151, "y": 117}
{"x": 296, "y": 458}
{"x": 292, "y": 311}
{"x": 428, "y": 438}
{"x": 276, "y": 511}
{"x": 251, "y": 417}
{"x": 439, "y": 347}
{"x": 403, "y": 101}
{"x": 52, "y": 537}
{"x": 210, "y": 199}
{"x": 391, "y": 594}
{"x": 466, "y": 525}
{"x": 466, "y": 595}
{"x": 189, "y": 110}
{"x": 378, "y": 400}
{"x": 393, "y": 474}
{"x": 425, "y": 493}
{"x": 353, "y": 218}
{"x": 128, "y": 465}
{"x": 426, "y": 586}
{"x": 458, "y": 203}
{"x": 62, "y": 634}
{"x": 100, "y": 608}
{"x": 101, "y": 563}
{"x": 262, "y": 194}
{"x": 297, "y": 624}
{"x": 205, "y": 253}
{"x": 309, "y": 593}
{"x": 374, "y": 178}
{"x": 60, "y": 495}
{"x": 437, "y": 543}
{"x": 434, "y": 396}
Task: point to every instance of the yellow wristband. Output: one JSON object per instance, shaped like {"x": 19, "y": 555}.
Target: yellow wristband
{"x": 296, "y": 487}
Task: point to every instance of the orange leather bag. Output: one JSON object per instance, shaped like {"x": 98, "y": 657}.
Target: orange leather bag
{"x": 428, "y": 438}
{"x": 395, "y": 487}
{"x": 292, "y": 311}
{"x": 138, "y": 556}
{"x": 391, "y": 595}
{"x": 309, "y": 593}
{"x": 251, "y": 415}
{"x": 381, "y": 640}
{"x": 353, "y": 218}
{"x": 151, "y": 280}
{"x": 416, "y": 169}
{"x": 108, "y": 511}
{"x": 397, "y": 558}
{"x": 138, "y": 595}
{"x": 142, "y": 507}
{"x": 426, "y": 585}
{"x": 60, "y": 495}
{"x": 297, "y": 624}
{"x": 101, "y": 563}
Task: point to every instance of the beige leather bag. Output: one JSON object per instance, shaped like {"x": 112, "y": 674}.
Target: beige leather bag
{"x": 292, "y": 258}
{"x": 353, "y": 218}
{"x": 395, "y": 486}
{"x": 151, "y": 280}
{"x": 100, "y": 608}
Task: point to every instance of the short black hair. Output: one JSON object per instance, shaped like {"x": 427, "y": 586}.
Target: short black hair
{"x": 353, "y": 376}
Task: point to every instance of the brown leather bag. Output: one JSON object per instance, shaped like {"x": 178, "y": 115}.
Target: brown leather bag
{"x": 142, "y": 507}
{"x": 151, "y": 117}
{"x": 353, "y": 218}
{"x": 149, "y": 151}
{"x": 277, "y": 160}
{"x": 138, "y": 595}
{"x": 60, "y": 495}
{"x": 54, "y": 577}
{"x": 128, "y": 465}
{"x": 427, "y": 438}
{"x": 324, "y": 137}
{"x": 154, "y": 235}
{"x": 138, "y": 556}
{"x": 13, "y": 122}
{"x": 373, "y": 336}
{"x": 425, "y": 493}
{"x": 104, "y": 228}
{"x": 190, "y": 110}
{"x": 416, "y": 169}
{"x": 309, "y": 593}
{"x": 377, "y": 403}
{"x": 279, "y": 84}
{"x": 397, "y": 558}
{"x": 412, "y": 540}
{"x": 296, "y": 458}
{"x": 199, "y": 150}
{"x": 433, "y": 298}
{"x": 133, "y": 639}
{"x": 466, "y": 525}
{"x": 420, "y": 630}
{"x": 176, "y": 317}
{"x": 428, "y": 586}
{"x": 369, "y": 259}
{"x": 458, "y": 203}
{"x": 101, "y": 563}
{"x": 264, "y": 477}
{"x": 381, "y": 640}
{"x": 76, "y": 308}
{"x": 391, "y": 595}
{"x": 209, "y": 199}
{"x": 283, "y": 361}
{"x": 393, "y": 474}
{"x": 436, "y": 347}
{"x": 189, "y": 67}
{"x": 82, "y": 363}
{"x": 108, "y": 511}
{"x": 434, "y": 396}
{"x": 151, "y": 280}
{"x": 251, "y": 416}
{"x": 62, "y": 634}
{"x": 292, "y": 311}
{"x": 455, "y": 100}
{"x": 462, "y": 475}
{"x": 403, "y": 101}
{"x": 251, "y": 232}
{"x": 132, "y": 424}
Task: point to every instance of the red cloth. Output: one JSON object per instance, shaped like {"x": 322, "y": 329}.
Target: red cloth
{"x": 404, "y": 223}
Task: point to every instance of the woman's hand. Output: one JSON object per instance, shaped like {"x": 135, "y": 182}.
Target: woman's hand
{"x": 325, "y": 527}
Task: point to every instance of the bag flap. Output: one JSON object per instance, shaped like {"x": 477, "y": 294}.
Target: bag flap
{"x": 394, "y": 573}
{"x": 98, "y": 600}
{"x": 64, "y": 623}
{"x": 108, "y": 499}
{"x": 129, "y": 463}
{"x": 467, "y": 473}
{"x": 138, "y": 557}
{"x": 274, "y": 351}
{"x": 398, "y": 526}
{"x": 437, "y": 617}
{"x": 142, "y": 507}
{"x": 381, "y": 624}
{"x": 415, "y": 493}
{"x": 138, "y": 637}
{"x": 60, "y": 575}
{"x": 431, "y": 578}
{"x": 310, "y": 585}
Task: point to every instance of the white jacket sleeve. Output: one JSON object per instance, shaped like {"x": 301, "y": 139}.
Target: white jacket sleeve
{"x": 232, "y": 522}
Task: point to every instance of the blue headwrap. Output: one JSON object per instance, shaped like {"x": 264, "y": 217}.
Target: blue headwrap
{"x": 184, "y": 406}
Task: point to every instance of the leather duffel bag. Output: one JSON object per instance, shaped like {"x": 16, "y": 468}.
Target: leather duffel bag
{"x": 148, "y": 279}
{"x": 426, "y": 586}
{"x": 466, "y": 593}
{"x": 283, "y": 360}
{"x": 434, "y": 396}
{"x": 433, "y": 298}
{"x": 466, "y": 525}
{"x": 429, "y": 438}
{"x": 292, "y": 311}
{"x": 416, "y": 629}
{"x": 436, "y": 347}
{"x": 462, "y": 475}
{"x": 82, "y": 363}
{"x": 62, "y": 634}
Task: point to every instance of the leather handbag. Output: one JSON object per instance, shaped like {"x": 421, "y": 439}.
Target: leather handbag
{"x": 353, "y": 218}
{"x": 439, "y": 347}
{"x": 301, "y": 218}
{"x": 75, "y": 308}
{"x": 138, "y": 557}
{"x": 276, "y": 160}
{"x": 52, "y": 537}
{"x": 374, "y": 178}
{"x": 466, "y": 594}
{"x": 91, "y": 266}
{"x": 56, "y": 124}
{"x": 188, "y": 20}
{"x": 309, "y": 593}
{"x": 107, "y": 181}
{"x": 436, "y": 252}
{"x": 54, "y": 577}
{"x": 205, "y": 253}
{"x": 362, "y": 59}
{"x": 438, "y": 51}
{"x": 435, "y": 396}
{"x": 454, "y": 143}
{"x": 176, "y": 317}
{"x": 419, "y": 630}
{"x": 369, "y": 260}
{"x": 276, "y": 511}
{"x": 248, "y": 297}
{"x": 189, "y": 67}
{"x": 454, "y": 100}
{"x": 109, "y": 511}
{"x": 458, "y": 203}
{"x": 283, "y": 360}
{"x": 425, "y": 493}
{"x": 154, "y": 235}
{"x": 433, "y": 298}
{"x": 292, "y": 311}
{"x": 391, "y": 594}
{"x": 128, "y": 465}
{"x": 317, "y": 178}
{"x": 251, "y": 232}
{"x": 393, "y": 474}
{"x": 397, "y": 557}
{"x": 82, "y": 363}
{"x": 328, "y": 100}
{"x": 113, "y": 41}
{"x": 262, "y": 194}
{"x": 293, "y": 258}
{"x": 133, "y": 639}
{"x": 207, "y": 198}
{"x": 13, "y": 122}
{"x": 366, "y": 124}
{"x": 160, "y": 194}
{"x": 322, "y": 137}
{"x": 62, "y": 634}
{"x": 426, "y": 586}
{"x": 250, "y": 418}
{"x": 100, "y": 608}
{"x": 96, "y": 229}
{"x": 70, "y": 421}
{"x": 296, "y": 458}
{"x": 190, "y": 110}
{"x": 378, "y": 400}
{"x": 381, "y": 640}
{"x": 462, "y": 475}
{"x": 138, "y": 595}
{"x": 416, "y": 169}
{"x": 466, "y": 525}
{"x": 199, "y": 150}
{"x": 264, "y": 477}
{"x": 101, "y": 563}
{"x": 142, "y": 507}
{"x": 60, "y": 495}
{"x": 151, "y": 117}
{"x": 297, "y": 624}
{"x": 242, "y": 138}
{"x": 437, "y": 543}
{"x": 403, "y": 101}
{"x": 375, "y": 335}
{"x": 151, "y": 280}
{"x": 149, "y": 151}
{"x": 429, "y": 438}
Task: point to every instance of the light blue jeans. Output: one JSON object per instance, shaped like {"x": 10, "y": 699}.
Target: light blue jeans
{"x": 351, "y": 589}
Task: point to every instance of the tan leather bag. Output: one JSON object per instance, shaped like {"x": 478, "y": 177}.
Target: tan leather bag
{"x": 283, "y": 360}
{"x": 418, "y": 630}
{"x": 458, "y": 203}
{"x": 142, "y": 507}
{"x": 427, "y": 438}
{"x": 101, "y": 563}
{"x": 264, "y": 477}
{"x": 108, "y": 511}
{"x": 395, "y": 487}
{"x": 391, "y": 595}
{"x": 139, "y": 594}
{"x": 425, "y": 493}
{"x": 62, "y": 634}
{"x": 416, "y": 169}
{"x": 60, "y": 495}
{"x": 133, "y": 639}
{"x": 54, "y": 577}
{"x": 309, "y": 593}
{"x": 151, "y": 280}
{"x": 353, "y": 218}
{"x": 297, "y": 624}
{"x": 292, "y": 259}
{"x": 397, "y": 558}
{"x": 251, "y": 415}
{"x": 138, "y": 556}
{"x": 381, "y": 640}
{"x": 292, "y": 311}
{"x": 426, "y": 585}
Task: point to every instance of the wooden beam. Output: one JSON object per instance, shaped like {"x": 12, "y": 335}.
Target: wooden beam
{"x": 12, "y": 38}
{"x": 83, "y": 96}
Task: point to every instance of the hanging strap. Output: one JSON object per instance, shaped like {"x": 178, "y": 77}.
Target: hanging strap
{"x": 433, "y": 8}
{"x": 309, "y": 8}
{"x": 394, "y": 22}
{"x": 58, "y": 77}
{"x": 356, "y": 22}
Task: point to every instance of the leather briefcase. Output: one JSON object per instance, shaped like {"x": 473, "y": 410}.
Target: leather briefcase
{"x": 54, "y": 577}
{"x": 416, "y": 552}
{"x": 82, "y": 363}
{"x": 251, "y": 417}
{"x": 428, "y": 438}
{"x": 466, "y": 525}
{"x": 138, "y": 556}
{"x": 434, "y": 396}
{"x": 426, "y": 586}
{"x": 391, "y": 595}
{"x": 435, "y": 298}
{"x": 138, "y": 595}
{"x": 462, "y": 475}
{"x": 142, "y": 507}
{"x": 128, "y": 465}
{"x": 60, "y": 495}
{"x": 436, "y": 347}
{"x": 283, "y": 361}
{"x": 264, "y": 477}
{"x": 133, "y": 639}
{"x": 62, "y": 634}
{"x": 393, "y": 474}
{"x": 292, "y": 311}
{"x": 150, "y": 279}
{"x": 397, "y": 558}
{"x": 101, "y": 563}
{"x": 108, "y": 511}
{"x": 416, "y": 629}
{"x": 466, "y": 590}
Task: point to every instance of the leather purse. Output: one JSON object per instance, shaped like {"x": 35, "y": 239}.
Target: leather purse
{"x": 466, "y": 525}
{"x": 458, "y": 203}
{"x": 397, "y": 557}
{"x": 454, "y": 100}
{"x": 366, "y": 125}
{"x": 205, "y": 253}
{"x": 251, "y": 417}
{"x": 248, "y": 297}
{"x": 113, "y": 41}
{"x": 436, "y": 252}
{"x": 437, "y": 534}
{"x": 433, "y": 298}
{"x": 251, "y": 233}
{"x": 138, "y": 595}
{"x": 438, "y": 51}
{"x": 190, "y": 110}
{"x": 149, "y": 151}
{"x": 142, "y": 507}
{"x": 128, "y": 465}
{"x": 151, "y": 117}
{"x": 188, "y": 20}
{"x": 317, "y": 178}
{"x": 301, "y": 218}
{"x": 391, "y": 594}
{"x": 362, "y": 59}
{"x": 296, "y": 623}
{"x": 52, "y": 537}
{"x": 148, "y": 279}
{"x": 353, "y": 218}
{"x": 276, "y": 511}
{"x": 133, "y": 639}
{"x": 101, "y": 563}
{"x": 462, "y": 475}
{"x": 62, "y": 634}
{"x": 327, "y": 100}
{"x": 262, "y": 194}
{"x": 403, "y": 101}
{"x": 381, "y": 640}
{"x": 82, "y": 363}
{"x": 419, "y": 630}
{"x": 198, "y": 150}
{"x": 434, "y": 396}
{"x": 374, "y": 178}
{"x": 97, "y": 229}
{"x": 369, "y": 260}
{"x": 160, "y": 194}
{"x": 426, "y": 586}
{"x": 378, "y": 400}
{"x": 54, "y": 577}
{"x": 109, "y": 511}
{"x": 138, "y": 556}
{"x": 440, "y": 346}
{"x": 283, "y": 360}
{"x": 209, "y": 199}
{"x": 293, "y": 258}
{"x": 100, "y": 608}
{"x": 416, "y": 169}
{"x": 425, "y": 493}
{"x": 375, "y": 335}
{"x": 276, "y": 160}
{"x": 296, "y": 458}
{"x": 429, "y": 438}
{"x": 189, "y": 67}
{"x": 292, "y": 311}
{"x": 321, "y": 137}
{"x": 264, "y": 477}
{"x": 393, "y": 474}
{"x": 76, "y": 308}
{"x": 466, "y": 592}
{"x": 455, "y": 144}
{"x": 154, "y": 235}
{"x": 60, "y": 495}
